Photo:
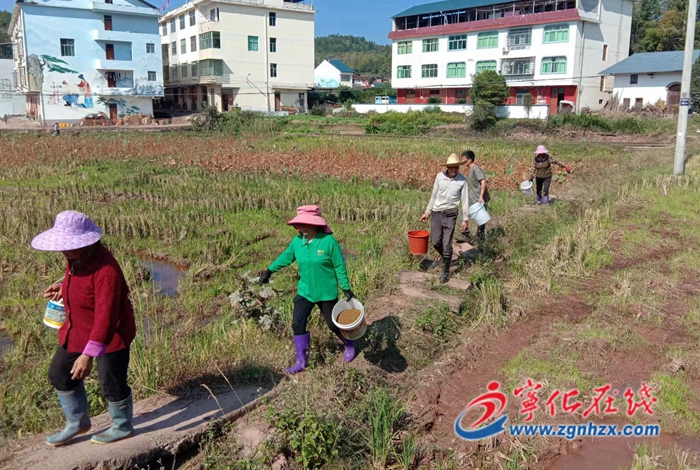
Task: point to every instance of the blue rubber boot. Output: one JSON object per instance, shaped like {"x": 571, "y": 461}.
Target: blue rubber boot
{"x": 301, "y": 345}
{"x": 122, "y": 413}
{"x": 75, "y": 409}
{"x": 350, "y": 352}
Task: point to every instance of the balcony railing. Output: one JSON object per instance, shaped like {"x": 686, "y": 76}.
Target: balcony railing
{"x": 518, "y": 67}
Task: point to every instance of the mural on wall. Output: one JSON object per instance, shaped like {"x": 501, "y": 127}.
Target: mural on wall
{"x": 37, "y": 64}
{"x": 327, "y": 83}
{"x": 123, "y": 108}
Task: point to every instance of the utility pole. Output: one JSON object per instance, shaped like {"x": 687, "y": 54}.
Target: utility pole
{"x": 679, "y": 163}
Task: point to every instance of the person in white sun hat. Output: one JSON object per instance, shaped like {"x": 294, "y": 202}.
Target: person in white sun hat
{"x": 449, "y": 191}
{"x": 99, "y": 325}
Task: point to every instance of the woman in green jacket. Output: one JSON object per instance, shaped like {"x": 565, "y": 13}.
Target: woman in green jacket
{"x": 321, "y": 269}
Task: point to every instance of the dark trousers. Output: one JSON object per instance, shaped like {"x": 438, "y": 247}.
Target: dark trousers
{"x": 543, "y": 185}
{"x": 442, "y": 230}
{"x": 302, "y": 311}
{"x": 111, "y": 371}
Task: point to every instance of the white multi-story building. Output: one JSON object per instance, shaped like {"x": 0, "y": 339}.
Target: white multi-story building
{"x": 551, "y": 49}
{"x": 80, "y": 57}
{"x": 253, "y": 55}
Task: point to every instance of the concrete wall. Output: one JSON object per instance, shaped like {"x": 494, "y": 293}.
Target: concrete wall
{"x": 514, "y": 112}
{"x": 71, "y": 87}
{"x": 11, "y": 101}
{"x": 649, "y": 88}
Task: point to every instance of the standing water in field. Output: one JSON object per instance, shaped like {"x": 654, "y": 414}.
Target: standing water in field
{"x": 5, "y": 342}
{"x": 166, "y": 276}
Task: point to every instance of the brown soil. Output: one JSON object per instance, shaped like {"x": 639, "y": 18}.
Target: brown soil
{"x": 348, "y": 317}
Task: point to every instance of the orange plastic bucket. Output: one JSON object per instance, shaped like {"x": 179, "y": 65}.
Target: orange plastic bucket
{"x": 418, "y": 242}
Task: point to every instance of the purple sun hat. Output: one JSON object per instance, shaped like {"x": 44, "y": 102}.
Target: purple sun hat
{"x": 71, "y": 231}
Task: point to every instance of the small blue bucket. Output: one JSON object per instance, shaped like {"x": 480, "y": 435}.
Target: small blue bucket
{"x": 55, "y": 314}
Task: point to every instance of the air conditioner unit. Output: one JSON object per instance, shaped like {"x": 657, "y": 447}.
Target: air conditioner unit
{"x": 505, "y": 50}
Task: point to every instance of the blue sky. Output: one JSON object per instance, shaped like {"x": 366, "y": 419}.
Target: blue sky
{"x": 368, "y": 18}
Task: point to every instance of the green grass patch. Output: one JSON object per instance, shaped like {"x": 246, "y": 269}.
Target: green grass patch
{"x": 674, "y": 404}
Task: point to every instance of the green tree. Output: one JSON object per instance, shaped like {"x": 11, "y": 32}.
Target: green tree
{"x": 695, "y": 85}
{"x": 489, "y": 88}
{"x": 659, "y": 25}
{"x": 5, "y": 17}
{"x": 363, "y": 56}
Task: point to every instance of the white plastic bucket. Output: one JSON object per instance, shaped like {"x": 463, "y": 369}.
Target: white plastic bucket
{"x": 526, "y": 188}
{"x": 55, "y": 314}
{"x": 358, "y": 328}
{"x": 478, "y": 213}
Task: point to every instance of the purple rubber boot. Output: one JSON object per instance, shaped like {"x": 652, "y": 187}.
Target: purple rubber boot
{"x": 546, "y": 200}
{"x": 301, "y": 344}
{"x": 350, "y": 352}
{"x": 539, "y": 199}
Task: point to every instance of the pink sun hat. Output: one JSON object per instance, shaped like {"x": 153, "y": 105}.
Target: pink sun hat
{"x": 71, "y": 231}
{"x": 310, "y": 215}
{"x": 541, "y": 149}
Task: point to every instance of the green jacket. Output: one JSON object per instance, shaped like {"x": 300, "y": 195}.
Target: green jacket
{"x": 321, "y": 266}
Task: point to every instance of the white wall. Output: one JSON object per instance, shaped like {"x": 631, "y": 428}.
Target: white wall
{"x": 11, "y": 101}
{"x": 650, "y": 89}
{"x": 326, "y": 75}
{"x": 472, "y": 55}
{"x": 514, "y": 112}
{"x": 613, "y": 32}
{"x": 47, "y": 23}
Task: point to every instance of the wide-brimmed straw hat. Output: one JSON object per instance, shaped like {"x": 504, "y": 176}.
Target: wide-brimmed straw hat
{"x": 541, "y": 149}
{"x": 71, "y": 231}
{"x": 310, "y": 215}
{"x": 454, "y": 160}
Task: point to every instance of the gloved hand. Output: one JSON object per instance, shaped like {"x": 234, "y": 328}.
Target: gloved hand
{"x": 265, "y": 277}
{"x": 348, "y": 294}
{"x": 568, "y": 169}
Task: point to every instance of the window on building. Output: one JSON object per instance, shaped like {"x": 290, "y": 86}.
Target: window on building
{"x": 150, "y": 48}
{"x": 193, "y": 44}
{"x": 519, "y": 38}
{"x": 403, "y": 71}
{"x": 193, "y": 69}
{"x": 553, "y": 65}
{"x": 405, "y": 47}
{"x": 273, "y": 44}
{"x": 183, "y": 70}
{"x": 173, "y": 48}
{"x": 638, "y": 102}
{"x": 461, "y": 94}
{"x": 634, "y": 79}
{"x": 173, "y": 26}
{"x": 182, "y": 22}
{"x": 166, "y": 72}
{"x": 487, "y": 40}
{"x": 192, "y": 18}
{"x": 273, "y": 18}
{"x": 173, "y": 72}
{"x": 429, "y": 71}
{"x": 605, "y": 52}
{"x": 214, "y": 14}
{"x": 556, "y": 33}
{"x": 457, "y": 70}
{"x": 183, "y": 46}
{"x": 211, "y": 67}
{"x": 253, "y": 43}
{"x": 520, "y": 95}
{"x": 518, "y": 66}
{"x": 486, "y": 65}
{"x": 108, "y": 22}
{"x": 151, "y": 76}
{"x": 430, "y": 45}
{"x": 273, "y": 70}
{"x": 108, "y": 1}
{"x": 164, "y": 50}
{"x": 210, "y": 40}
{"x": 457, "y": 43}
{"x": 164, "y": 29}
{"x": 67, "y": 47}
{"x": 626, "y": 103}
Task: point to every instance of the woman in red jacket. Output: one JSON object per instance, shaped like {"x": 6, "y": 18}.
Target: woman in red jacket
{"x": 99, "y": 324}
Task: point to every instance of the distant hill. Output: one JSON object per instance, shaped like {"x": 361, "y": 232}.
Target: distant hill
{"x": 363, "y": 56}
